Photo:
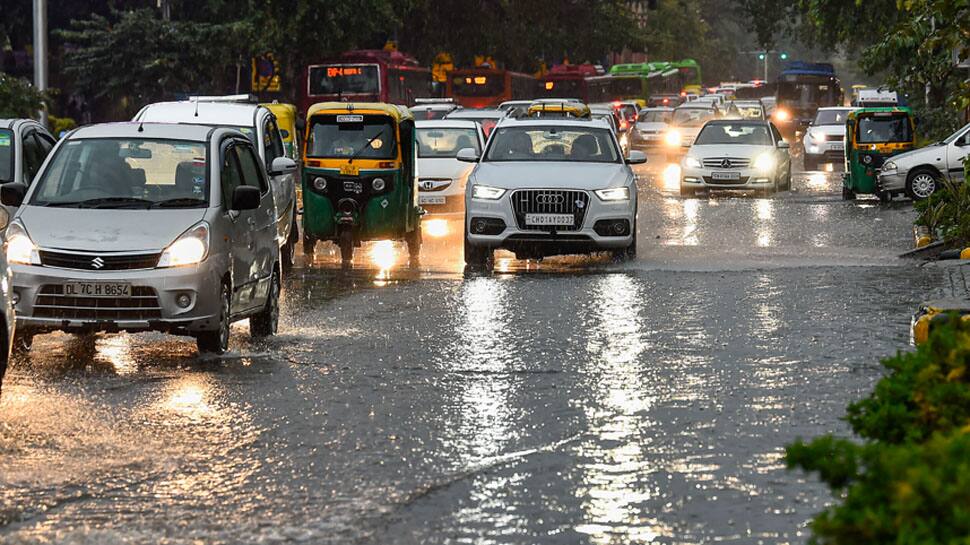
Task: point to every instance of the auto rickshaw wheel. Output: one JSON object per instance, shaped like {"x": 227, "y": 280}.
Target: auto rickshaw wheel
{"x": 346, "y": 242}
{"x": 921, "y": 183}
{"x": 414, "y": 243}
{"x": 847, "y": 194}
{"x": 884, "y": 196}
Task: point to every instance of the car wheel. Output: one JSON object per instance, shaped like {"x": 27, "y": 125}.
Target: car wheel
{"x": 23, "y": 341}
{"x": 476, "y": 256}
{"x": 921, "y": 183}
{"x": 414, "y": 243}
{"x": 630, "y": 252}
{"x": 346, "y": 242}
{"x": 288, "y": 253}
{"x": 884, "y": 196}
{"x": 217, "y": 341}
{"x": 267, "y": 321}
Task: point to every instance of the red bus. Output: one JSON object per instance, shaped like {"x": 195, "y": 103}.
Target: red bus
{"x": 369, "y": 75}
{"x": 567, "y": 81}
{"x": 488, "y": 87}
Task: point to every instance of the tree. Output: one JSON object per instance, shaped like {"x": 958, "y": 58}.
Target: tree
{"x": 18, "y": 98}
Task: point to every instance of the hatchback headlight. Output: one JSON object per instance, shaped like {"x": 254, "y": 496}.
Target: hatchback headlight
{"x": 190, "y": 248}
{"x": 691, "y": 162}
{"x": 613, "y": 194}
{"x": 764, "y": 162}
{"x": 889, "y": 166}
{"x": 20, "y": 249}
{"x": 487, "y": 193}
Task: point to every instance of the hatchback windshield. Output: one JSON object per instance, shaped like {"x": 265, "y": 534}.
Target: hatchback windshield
{"x": 692, "y": 117}
{"x": 751, "y": 134}
{"x": 125, "y": 173}
{"x": 655, "y": 116}
{"x": 831, "y": 117}
{"x": 6, "y": 155}
{"x": 350, "y": 135}
{"x": 552, "y": 143}
{"x": 876, "y": 129}
{"x": 445, "y": 143}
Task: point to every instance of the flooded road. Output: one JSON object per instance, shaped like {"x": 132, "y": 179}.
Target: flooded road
{"x": 569, "y": 401}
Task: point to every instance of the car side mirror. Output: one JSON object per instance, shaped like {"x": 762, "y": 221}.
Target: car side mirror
{"x": 282, "y": 165}
{"x": 467, "y": 155}
{"x": 12, "y": 194}
{"x": 245, "y": 197}
{"x": 636, "y": 157}
{"x": 783, "y": 144}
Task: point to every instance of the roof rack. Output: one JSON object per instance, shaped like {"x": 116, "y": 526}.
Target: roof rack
{"x": 434, "y": 101}
{"x": 241, "y": 99}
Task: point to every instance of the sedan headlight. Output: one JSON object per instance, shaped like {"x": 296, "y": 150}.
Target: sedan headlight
{"x": 764, "y": 162}
{"x": 889, "y": 166}
{"x": 487, "y": 193}
{"x": 672, "y": 138}
{"x": 613, "y": 194}
{"x": 691, "y": 162}
{"x": 190, "y": 248}
{"x": 20, "y": 249}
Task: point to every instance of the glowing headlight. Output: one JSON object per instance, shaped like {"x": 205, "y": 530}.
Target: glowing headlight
{"x": 691, "y": 162}
{"x": 765, "y": 162}
{"x": 613, "y": 194}
{"x": 20, "y": 249}
{"x": 889, "y": 166}
{"x": 817, "y": 135}
{"x": 487, "y": 193}
{"x": 782, "y": 115}
{"x": 624, "y": 140}
{"x": 672, "y": 138}
{"x": 189, "y": 249}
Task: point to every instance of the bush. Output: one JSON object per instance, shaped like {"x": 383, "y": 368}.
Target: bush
{"x": 909, "y": 483}
{"x": 947, "y": 213}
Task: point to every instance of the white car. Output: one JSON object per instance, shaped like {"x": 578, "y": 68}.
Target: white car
{"x": 920, "y": 172}
{"x": 736, "y": 154}
{"x": 650, "y": 127}
{"x": 550, "y": 187}
{"x": 433, "y": 108}
{"x": 242, "y": 113}
{"x": 441, "y": 176}
{"x": 687, "y": 121}
{"x": 824, "y": 141}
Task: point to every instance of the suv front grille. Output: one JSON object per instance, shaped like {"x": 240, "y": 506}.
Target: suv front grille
{"x": 52, "y": 303}
{"x": 550, "y": 201}
{"x": 718, "y": 162}
{"x": 98, "y": 262}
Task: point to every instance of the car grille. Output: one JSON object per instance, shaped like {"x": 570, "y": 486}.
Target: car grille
{"x": 718, "y": 162}
{"x": 98, "y": 262}
{"x": 52, "y": 303}
{"x": 741, "y": 181}
{"x": 550, "y": 201}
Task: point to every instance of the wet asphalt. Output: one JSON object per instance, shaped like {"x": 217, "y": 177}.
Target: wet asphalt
{"x": 572, "y": 400}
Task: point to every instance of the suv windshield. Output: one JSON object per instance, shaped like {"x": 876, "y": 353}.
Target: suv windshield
{"x": 692, "y": 117}
{"x": 445, "y": 143}
{"x": 830, "y": 117}
{"x": 552, "y": 143}
{"x": 342, "y": 136}
{"x": 655, "y": 116}
{"x": 751, "y": 134}
{"x": 6, "y": 155}
{"x": 125, "y": 173}
{"x": 878, "y": 129}
{"x": 343, "y": 79}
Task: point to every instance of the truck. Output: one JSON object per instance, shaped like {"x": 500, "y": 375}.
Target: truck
{"x": 803, "y": 88}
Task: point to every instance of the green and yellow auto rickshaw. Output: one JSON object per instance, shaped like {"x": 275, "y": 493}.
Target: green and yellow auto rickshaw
{"x": 873, "y": 135}
{"x": 359, "y": 180}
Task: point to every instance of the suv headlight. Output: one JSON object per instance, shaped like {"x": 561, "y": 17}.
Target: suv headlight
{"x": 889, "y": 166}
{"x": 487, "y": 193}
{"x": 20, "y": 249}
{"x": 691, "y": 162}
{"x": 190, "y": 248}
{"x": 817, "y": 135}
{"x": 764, "y": 162}
{"x": 613, "y": 194}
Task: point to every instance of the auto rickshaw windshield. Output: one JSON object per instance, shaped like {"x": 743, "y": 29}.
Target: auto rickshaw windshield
{"x": 349, "y": 135}
{"x": 882, "y": 129}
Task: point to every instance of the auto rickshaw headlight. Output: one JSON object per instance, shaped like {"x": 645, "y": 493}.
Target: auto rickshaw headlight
{"x": 867, "y": 159}
{"x": 764, "y": 162}
{"x": 378, "y": 184}
{"x": 320, "y": 183}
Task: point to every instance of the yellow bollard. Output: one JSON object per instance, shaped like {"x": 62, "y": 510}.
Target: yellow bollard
{"x": 965, "y": 253}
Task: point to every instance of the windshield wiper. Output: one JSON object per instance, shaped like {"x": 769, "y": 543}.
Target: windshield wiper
{"x": 113, "y": 202}
{"x": 365, "y": 146}
{"x": 178, "y": 202}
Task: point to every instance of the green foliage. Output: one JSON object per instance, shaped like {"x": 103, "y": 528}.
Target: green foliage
{"x": 947, "y": 213}
{"x": 18, "y": 98}
{"x": 61, "y": 124}
{"x": 909, "y": 483}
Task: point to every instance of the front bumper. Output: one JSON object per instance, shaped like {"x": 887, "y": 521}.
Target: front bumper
{"x": 548, "y": 241}
{"x": 827, "y": 151}
{"x": 452, "y": 207}
{"x": 748, "y": 178}
{"x": 43, "y": 306}
{"x": 893, "y": 181}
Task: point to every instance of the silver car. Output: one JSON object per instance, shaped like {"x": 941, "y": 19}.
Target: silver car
{"x": 920, "y": 172}
{"x": 146, "y": 226}
{"x": 550, "y": 187}
{"x": 24, "y": 145}
{"x": 6, "y": 316}
{"x": 736, "y": 154}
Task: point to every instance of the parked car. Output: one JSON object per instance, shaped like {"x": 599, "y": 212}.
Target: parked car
{"x": 736, "y": 154}
{"x": 146, "y": 226}
{"x": 441, "y": 176}
{"x": 7, "y": 328}
{"x": 241, "y": 112}
{"x": 824, "y": 141}
{"x": 920, "y": 172}
{"x": 549, "y": 187}
{"x": 24, "y": 145}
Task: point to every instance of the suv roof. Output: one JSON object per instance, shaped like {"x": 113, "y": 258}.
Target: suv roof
{"x": 133, "y": 129}
{"x": 202, "y": 112}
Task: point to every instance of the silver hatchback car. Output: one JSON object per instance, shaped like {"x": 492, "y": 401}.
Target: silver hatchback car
{"x": 146, "y": 226}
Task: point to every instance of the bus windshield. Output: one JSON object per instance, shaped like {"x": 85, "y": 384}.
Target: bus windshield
{"x": 344, "y": 136}
{"x": 344, "y": 79}
{"x": 806, "y": 93}
{"x": 882, "y": 129}
{"x": 472, "y": 85}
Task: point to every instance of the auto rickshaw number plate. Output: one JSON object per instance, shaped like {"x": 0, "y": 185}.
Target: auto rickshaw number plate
{"x": 349, "y": 169}
{"x": 726, "y": 175}
{"x": 353, "y": 187}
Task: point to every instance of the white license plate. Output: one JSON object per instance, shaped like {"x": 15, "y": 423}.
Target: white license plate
{"x": 725, "y": 175}
{"x": 97, "y": 289}
{"x": 431, "y": 199}
{"x": 837, "y": 147}
{"x": 549, "y": 219}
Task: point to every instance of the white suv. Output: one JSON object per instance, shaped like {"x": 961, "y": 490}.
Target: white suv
{"x": 918, "y": 173}
{"x": 824, "y": 141}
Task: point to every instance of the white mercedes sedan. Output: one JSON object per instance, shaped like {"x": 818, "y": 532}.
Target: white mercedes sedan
{"x": 736, "y": 154}
{"x": 547, "y": 187}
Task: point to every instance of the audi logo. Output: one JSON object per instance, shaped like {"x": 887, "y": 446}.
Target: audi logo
{"x": 550, "y": 199}
{"x": 726, "y": 163}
